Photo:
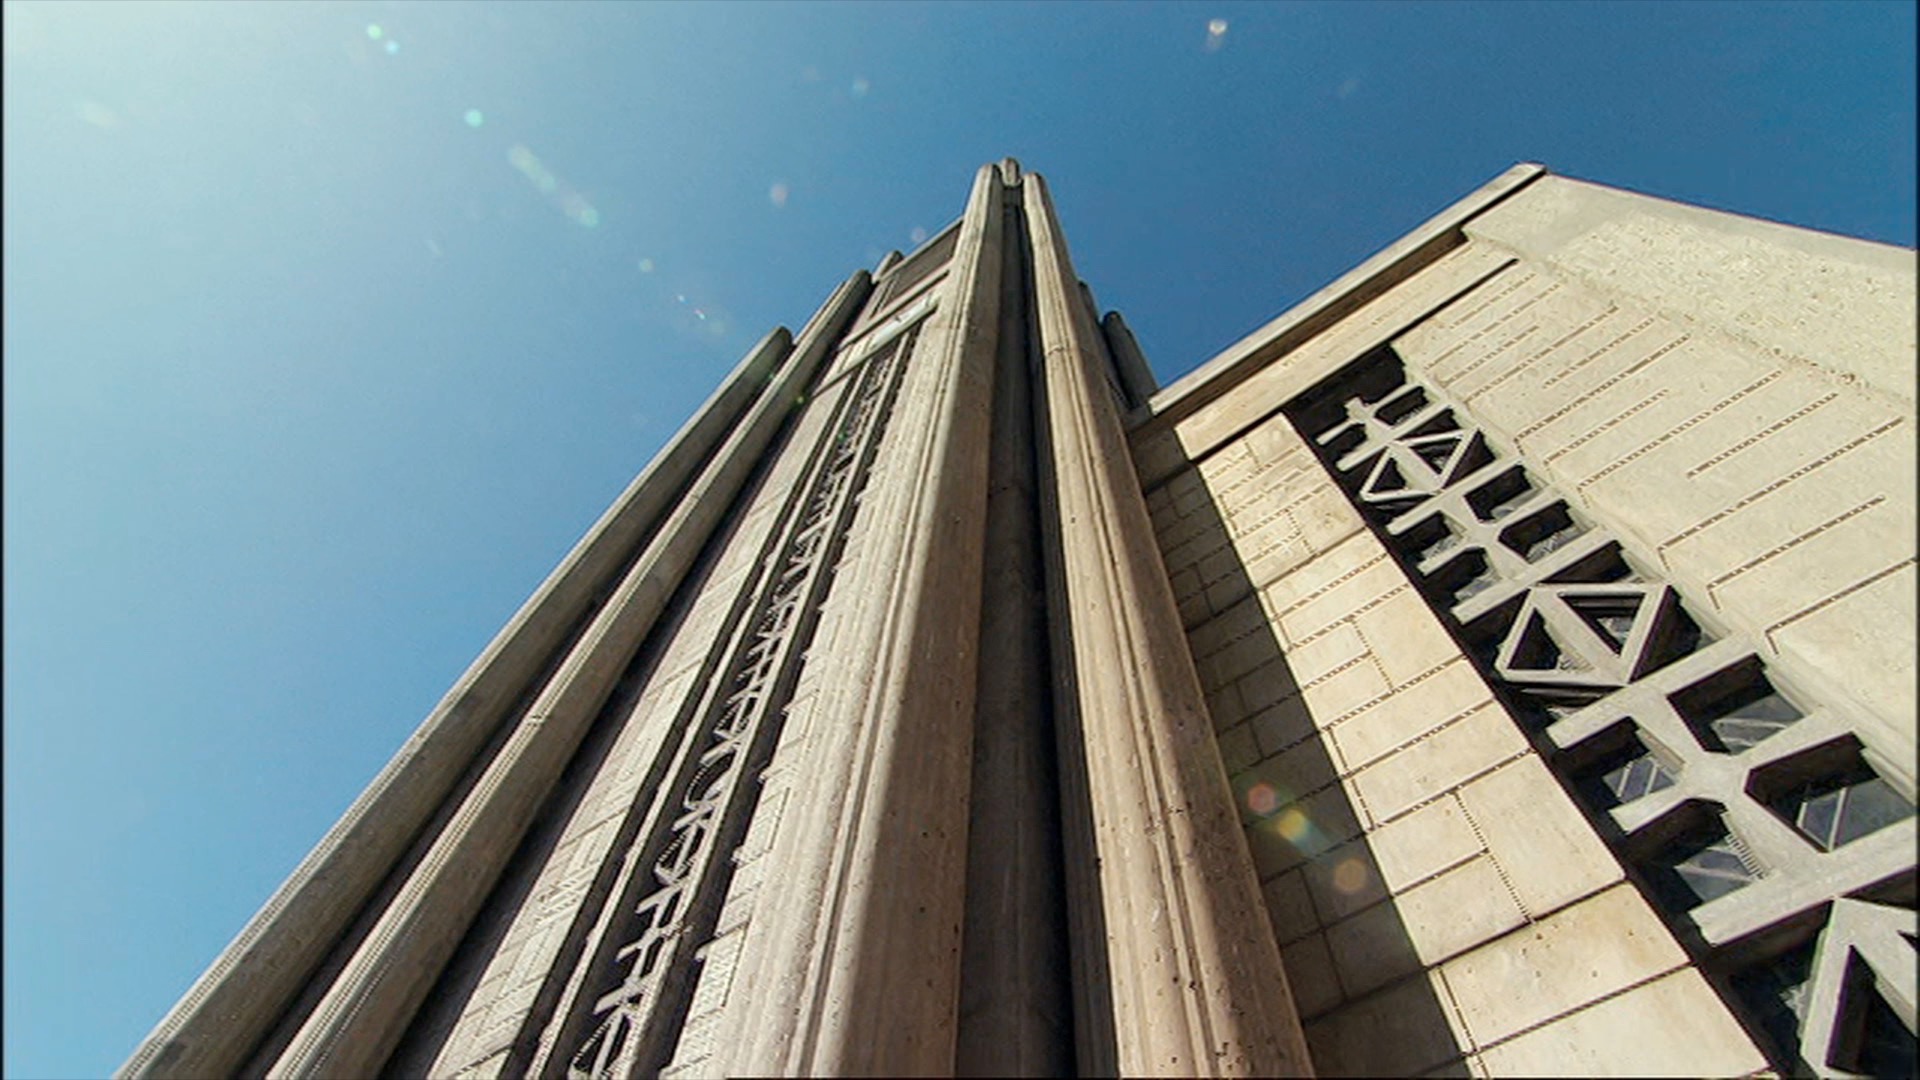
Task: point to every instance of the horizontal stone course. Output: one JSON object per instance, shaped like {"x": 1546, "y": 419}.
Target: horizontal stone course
{"x": 1443, "y": 759}
{"x": 1548, "y": 854}
{"x": 1575, "y": 956}
{"x": 1672, "y": 1026}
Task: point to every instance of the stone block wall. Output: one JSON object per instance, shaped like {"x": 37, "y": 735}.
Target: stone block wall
{"x": 1443, "y": 900}
{"x": 1440, "y": 902}
{"x": 1761, "y": 484}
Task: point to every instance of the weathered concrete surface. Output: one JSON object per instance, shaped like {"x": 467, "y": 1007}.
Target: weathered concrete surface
{"x": 699, "y": 1051}
{"x": 852, "y": 966}
{"x": 1756, "y": 378}
{"x": 1196, "y": 983}
{"x": 1380, "y": 272}
{"x": 1831, "y": 302}
{"x": 1015, "y": 1017}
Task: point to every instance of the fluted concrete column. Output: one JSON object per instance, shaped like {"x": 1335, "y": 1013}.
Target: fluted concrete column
{"x": 852, "y": 963}
{"x": 1015, "y": 1019}
{"x": 363, "y": 1014}
{"x": 239, "y": 999}
{"x": 1194, "y": 976}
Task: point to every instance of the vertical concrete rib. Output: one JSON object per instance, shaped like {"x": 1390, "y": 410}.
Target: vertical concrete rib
{"x": 1014, "y": 1014}
{"x": 232, "y": 1007}
{"x": 1196, "y": 982}
{"x": 357, "y": 1023}
{"x": 1136, "y": 376}
{"x": 853, "y": 965}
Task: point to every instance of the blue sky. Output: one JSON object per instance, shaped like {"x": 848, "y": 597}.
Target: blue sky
{"x": 329, "y": 328}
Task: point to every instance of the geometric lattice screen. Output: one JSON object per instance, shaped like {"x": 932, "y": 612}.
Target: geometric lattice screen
{"x": 1748, "y": 812}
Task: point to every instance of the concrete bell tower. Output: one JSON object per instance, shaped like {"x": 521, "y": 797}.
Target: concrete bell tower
{"x": 1501, "y": 663}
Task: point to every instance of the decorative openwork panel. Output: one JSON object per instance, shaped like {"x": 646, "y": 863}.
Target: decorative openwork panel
{"x": 643, "y": 959}
{"x": 1747, "y": 810}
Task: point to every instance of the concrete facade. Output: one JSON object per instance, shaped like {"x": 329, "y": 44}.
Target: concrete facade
{"x": 1502, "y": 663}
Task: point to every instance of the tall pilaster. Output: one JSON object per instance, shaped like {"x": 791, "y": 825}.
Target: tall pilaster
{"x": 1015, "y": 1019}
{"x": 854, "y": 963}
{"x": 1194, "y": 977}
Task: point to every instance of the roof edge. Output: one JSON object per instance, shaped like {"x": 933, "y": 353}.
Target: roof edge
{"x": 1388, "y": 267}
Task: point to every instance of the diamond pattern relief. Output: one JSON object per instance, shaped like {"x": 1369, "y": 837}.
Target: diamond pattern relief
{"x": 1389, "y": 485}
{"x": 1580, "y": 636}
{"x": 1610, "y": 616}
{"x": 1629, "y": 696}
{"x": 1411, "y": 470}
{"x": 1590, "y": 637}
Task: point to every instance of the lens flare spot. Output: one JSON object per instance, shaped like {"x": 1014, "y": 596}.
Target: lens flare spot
{"x": 777, "y": 194}
{"x": 577, "y": 208}
{"x": 392, "y": 46}
{"x": 1351, "y": 875}
{"x": 1216, "y": 34}
{"x": 96, "y": 114}
{"x": 1292, "y": 824}
{"x": 569, "y": 201}
{"x": 860, "y": 87}
{"x": 918, "y": 235}
{"x": 646, "y": 266}
{"x": 1263, "y": 800}
{"x": 475, "y": 118}
{"x": 374, "y": 31}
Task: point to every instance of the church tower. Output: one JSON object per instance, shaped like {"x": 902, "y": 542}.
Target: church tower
{"x": 1502, "y": 663}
